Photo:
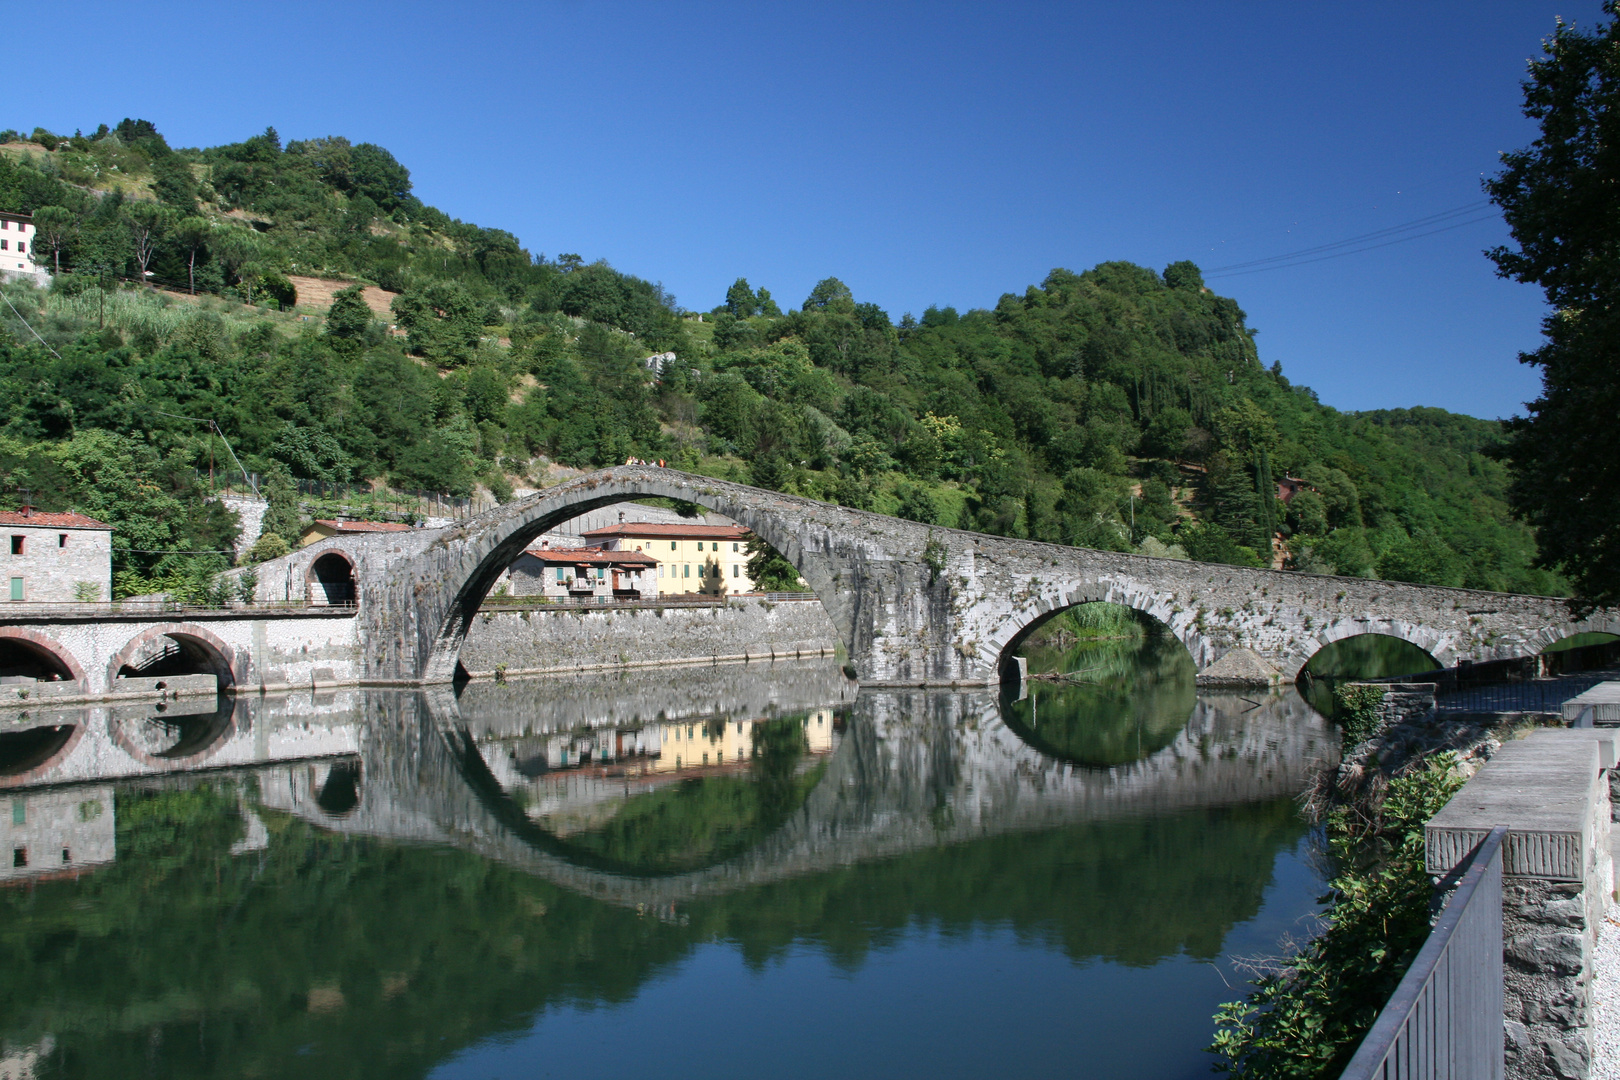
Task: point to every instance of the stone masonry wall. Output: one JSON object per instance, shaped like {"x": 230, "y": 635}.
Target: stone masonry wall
{"x": 546, "y": 638}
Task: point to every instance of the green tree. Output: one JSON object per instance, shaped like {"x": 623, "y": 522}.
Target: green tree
{"x": 192, "y": 233}
{"x": 148, "y": 224}
{"x": 443, "y": 320}
{"x": 769, "y": 571}
{"x": 350, "y": 316}
{"x": 1557, "y": 198}
{"x": 740, "y": 299}
{"x": 53, "y": 225}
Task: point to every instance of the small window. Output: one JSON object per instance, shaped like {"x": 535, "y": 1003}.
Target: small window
{"x": 21, "y": 246}
{"x": 19, "y": 812}
{"x": 61, "y": 540}
{"x": 672, "y": 545}
{"x": 733, "y": 546}
{"x": 686, "y": 571}
{"x": 736, "y": 571}
{"x": 19, "y": 856}
{"x": 16, "y": 545}
{"x": 700, "y": 545}
{"x": 16, "y": 588}
{"x": 5, "y": 245}
{"x": 67, "y": 855}
{"x": 599, "y": 573}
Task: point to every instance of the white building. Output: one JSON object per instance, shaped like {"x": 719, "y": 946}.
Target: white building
{"x": 17, "y": 249}
{"x": 54, "y": 558}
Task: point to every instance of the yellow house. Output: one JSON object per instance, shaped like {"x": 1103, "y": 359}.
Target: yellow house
{"x": 710, "y": 559}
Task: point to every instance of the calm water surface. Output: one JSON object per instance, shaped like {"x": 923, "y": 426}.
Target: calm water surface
{"x": 723, "y": 872}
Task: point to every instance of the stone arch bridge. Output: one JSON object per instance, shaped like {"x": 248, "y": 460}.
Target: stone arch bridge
{"x": 913, "y": 604}
{"x": 920, "y": 605}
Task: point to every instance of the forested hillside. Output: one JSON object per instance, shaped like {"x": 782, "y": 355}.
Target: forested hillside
{"x": 1118, "y": 408}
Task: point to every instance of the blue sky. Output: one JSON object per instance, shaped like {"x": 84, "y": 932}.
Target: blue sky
{"x": 925, "y": 154}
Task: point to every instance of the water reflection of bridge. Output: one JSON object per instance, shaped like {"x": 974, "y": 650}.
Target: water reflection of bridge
{"x": 913, "y": 769}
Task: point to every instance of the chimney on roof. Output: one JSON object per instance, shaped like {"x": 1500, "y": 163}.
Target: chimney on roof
{"x": 621, "y": 517}
{"x": 545, "y": 544}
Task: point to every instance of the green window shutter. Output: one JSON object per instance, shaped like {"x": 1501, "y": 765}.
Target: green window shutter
{"x": 16, "y": 588}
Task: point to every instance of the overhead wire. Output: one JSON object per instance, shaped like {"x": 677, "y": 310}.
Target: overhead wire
{"x": 1429, "y": 225}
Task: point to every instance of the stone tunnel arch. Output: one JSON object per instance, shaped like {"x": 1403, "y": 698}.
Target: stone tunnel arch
{"x": 177, "y": 649}
{"x": 470, "y": 569}
{"x": 330, "y": 581}
{"x": 1154, "y": 606}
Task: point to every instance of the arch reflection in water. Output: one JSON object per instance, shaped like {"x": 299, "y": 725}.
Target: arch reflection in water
{"x": 1364, "y": 656}
{"x": 665, "y": 797}
{"x": 1114, "y": 695}
{"x": 174, "y": 731}
{"x": 25, "y": 749}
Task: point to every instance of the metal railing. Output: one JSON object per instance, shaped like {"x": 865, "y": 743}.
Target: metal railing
{"x": 1444, "y": 1021}
{"x": 22, "y": 609}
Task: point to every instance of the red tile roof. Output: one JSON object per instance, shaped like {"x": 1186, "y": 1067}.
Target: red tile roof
{"x": 677, "y": 531}
{"x": 39, "y": 519}
{"x": 590, "y": 556}
{"x": 364, "y": 526}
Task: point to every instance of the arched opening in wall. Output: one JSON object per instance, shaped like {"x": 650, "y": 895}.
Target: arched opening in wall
{"x": 1580, "y": 652}
{"x": 339, "y": 793}
{"x": 1107, "y": 685}
{"x": 23, "y": 751}
{"x": 177, "y": 653}
{"x": 176, "y": 731}
{"x": 331, "y": 581}
{"x": 724, "y": 589}
{"x": 1352, "y": 659}
{"x": 25, "y": 661}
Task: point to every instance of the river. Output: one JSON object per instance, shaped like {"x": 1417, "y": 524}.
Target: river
{"x": 735, "y": 871}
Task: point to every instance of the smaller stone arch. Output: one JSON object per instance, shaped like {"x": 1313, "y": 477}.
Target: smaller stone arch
{"x": 51, "y": 652}
{"x": 1434, "y": 643}
{"x": 331, "y": 581}
{"x": 199, "y": 645}
{"x": 1016, "y": 629}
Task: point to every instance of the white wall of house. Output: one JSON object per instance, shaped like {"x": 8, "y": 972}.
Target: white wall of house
{"x": 55, "y": 564}
{"x": 17, "y": 249}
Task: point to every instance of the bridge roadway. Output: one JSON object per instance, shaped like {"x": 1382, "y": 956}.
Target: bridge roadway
{"x": 915, "y": 605}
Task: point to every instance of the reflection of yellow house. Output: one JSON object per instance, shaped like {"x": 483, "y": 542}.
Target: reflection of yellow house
{"x": 698, "y": 743}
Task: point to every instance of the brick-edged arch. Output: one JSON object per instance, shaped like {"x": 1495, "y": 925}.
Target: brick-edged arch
{"x": 222, "y": 658}
{"x": 50, "y": 646}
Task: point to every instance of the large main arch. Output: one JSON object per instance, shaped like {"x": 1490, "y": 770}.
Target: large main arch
{"x": 467, "y": 562}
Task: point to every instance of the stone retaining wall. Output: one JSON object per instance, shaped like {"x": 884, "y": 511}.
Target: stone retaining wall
{"x": 551, "y": 638}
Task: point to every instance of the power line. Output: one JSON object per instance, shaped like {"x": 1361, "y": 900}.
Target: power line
{"x": 1444, "y": 221}
{"x": 30, "y": 326}
{"x": 1356, "y": 251}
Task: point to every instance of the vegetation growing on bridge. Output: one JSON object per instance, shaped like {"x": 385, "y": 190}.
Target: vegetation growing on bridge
{"x": 1119, "y": 408}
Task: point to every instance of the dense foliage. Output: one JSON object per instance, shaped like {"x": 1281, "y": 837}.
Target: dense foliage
{"x": 1305, "y": 1021}
{"x": 1119, "y": 408}
{"x": 1558, "y": 198}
